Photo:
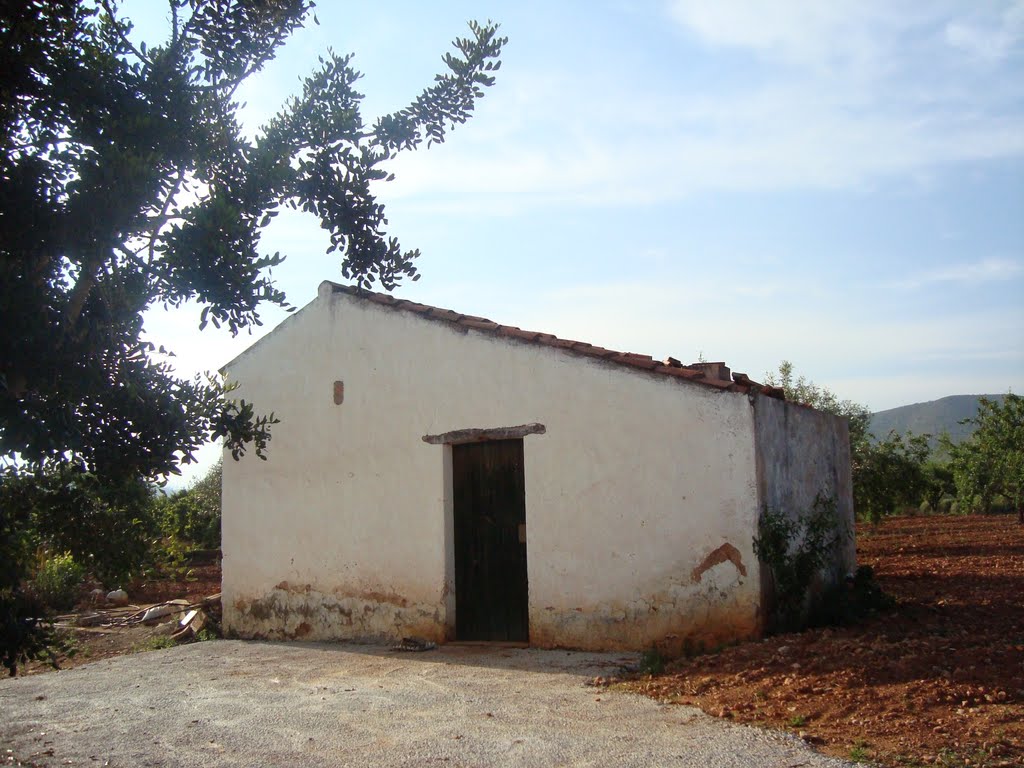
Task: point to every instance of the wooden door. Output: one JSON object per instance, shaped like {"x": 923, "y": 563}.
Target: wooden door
{"x": 490, "y": 541}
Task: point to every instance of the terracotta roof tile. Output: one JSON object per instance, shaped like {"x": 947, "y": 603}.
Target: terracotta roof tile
{"x": 682, "y": 373}
{"x": 446, "y": 314}
{"x": 637, "y": 361}
{"x": 561, "y": 343}
{"x": 412, "y": 306}
{"x": 723, "y": 384}
{"x": 701, "y": 373}
{"x": 516, "y": 333}
{"x": 480, "y": 324}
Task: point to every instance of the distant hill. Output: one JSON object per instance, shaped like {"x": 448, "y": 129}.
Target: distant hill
{"x": 933, "y": 418}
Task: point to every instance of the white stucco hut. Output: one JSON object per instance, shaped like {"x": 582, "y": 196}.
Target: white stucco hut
{"x": 450, "y": 478}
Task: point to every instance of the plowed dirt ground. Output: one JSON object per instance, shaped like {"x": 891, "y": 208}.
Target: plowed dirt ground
{"x": 939, "y": 680}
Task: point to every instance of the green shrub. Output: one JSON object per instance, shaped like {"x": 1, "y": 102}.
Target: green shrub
{"x": 109, "y": 527}
{"x": 193, "y": 515}
{"x": 57, "y": 579}
{"x": 795, "y": 549}
{"x": 652, "y": 662}
{"x": 24, "y": 635}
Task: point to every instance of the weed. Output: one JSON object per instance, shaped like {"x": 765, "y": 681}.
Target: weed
{"x": 67, "y": 643}
{"x": 795, "y": 548}
{"x": 652, "y": 662}
{"x": 155, "y": 643}
{"x": 859, "y": 751}
{"x": 797, "y": 721}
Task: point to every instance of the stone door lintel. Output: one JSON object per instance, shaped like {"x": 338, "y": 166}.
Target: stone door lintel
{"x": 476, "y": 435}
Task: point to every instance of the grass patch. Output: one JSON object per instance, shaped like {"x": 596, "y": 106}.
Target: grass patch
{"x": 652, "y": 662}
{"x": 859, "y": 752}
{"x": 155, "y": 643}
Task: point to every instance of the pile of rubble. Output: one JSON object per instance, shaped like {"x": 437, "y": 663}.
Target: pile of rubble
{"x": 182, "y": 620}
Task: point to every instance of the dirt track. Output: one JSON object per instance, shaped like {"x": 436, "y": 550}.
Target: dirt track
{"x": 230, "y": 703}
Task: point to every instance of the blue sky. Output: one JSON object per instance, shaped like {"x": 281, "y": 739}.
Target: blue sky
{"x": 840, "y": 183}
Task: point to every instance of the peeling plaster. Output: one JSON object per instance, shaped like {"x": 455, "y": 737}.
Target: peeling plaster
{"x": 722, "y": 607}
{"x": 725, "y": 553}
{"x": 291, "y": 612}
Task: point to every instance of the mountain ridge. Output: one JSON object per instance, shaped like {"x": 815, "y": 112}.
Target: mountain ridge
{"x": 932, "y": 417}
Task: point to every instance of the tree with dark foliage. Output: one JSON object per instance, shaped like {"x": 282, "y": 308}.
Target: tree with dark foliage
{"x": 126, "y": 181}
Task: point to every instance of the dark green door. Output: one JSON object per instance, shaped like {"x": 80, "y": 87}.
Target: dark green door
{"x": 490, "y": 541}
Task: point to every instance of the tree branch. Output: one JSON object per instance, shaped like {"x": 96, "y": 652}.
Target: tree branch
{"x": 83, "y": 287}
{"x": 133, "y": 258}
{"x": 174, "y": 24}
{"x": 120, "y": 32}
{"x": 260, "y": 61}
{"x": 162, "y": 218}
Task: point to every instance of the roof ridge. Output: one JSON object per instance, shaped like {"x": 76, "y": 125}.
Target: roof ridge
{"x": 716, "y": 375}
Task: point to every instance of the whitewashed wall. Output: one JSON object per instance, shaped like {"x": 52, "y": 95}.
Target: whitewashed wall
{"x": 641, "y": 498}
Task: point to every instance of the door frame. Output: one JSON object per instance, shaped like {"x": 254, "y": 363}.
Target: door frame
{"x": 491, "y": 573}
{"x": 446, "y": 441}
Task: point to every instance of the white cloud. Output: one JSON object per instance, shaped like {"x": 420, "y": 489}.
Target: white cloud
{"x": 789, "y": 138}
{"x": 991, "y": 38}
{"x": 851, "y": 33}
{"x": 824, "y": 331}
{"x": 807, "y": 32}
{"x": 865, "y": 93}
{"x": 984, "y": 271}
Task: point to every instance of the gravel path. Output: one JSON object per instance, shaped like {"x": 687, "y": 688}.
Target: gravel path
{"x": 233, "y": 703}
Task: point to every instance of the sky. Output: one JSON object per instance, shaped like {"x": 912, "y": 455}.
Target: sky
{"x": 839, "y": 184}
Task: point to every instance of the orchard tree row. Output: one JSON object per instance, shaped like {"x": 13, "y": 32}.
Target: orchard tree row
{"x": 895, "y": 473}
